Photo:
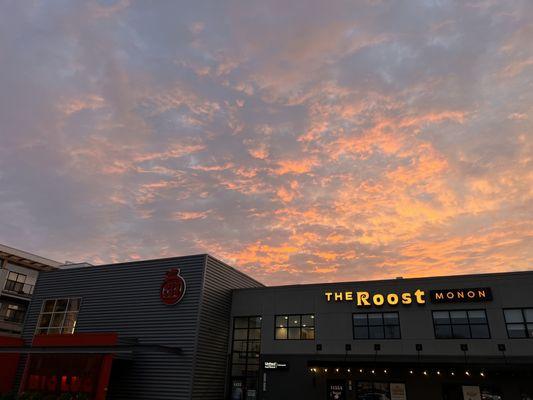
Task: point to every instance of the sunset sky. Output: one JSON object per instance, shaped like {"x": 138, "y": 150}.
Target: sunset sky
{"x": 299, "y": 141}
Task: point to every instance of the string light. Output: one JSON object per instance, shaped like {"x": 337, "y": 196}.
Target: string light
{"x": 373, "y": 371}
{"x": 453, "y": 373}
{"x": 438, "y": 372}
{"x": 482, "y": 374}
{"x": 336, "y": 370}
{"x": 349, "y": 370}
{"x": 361, "y": 371}
{"x": 425, "y": 373}
{"x": 467, "y": 373}
{"x": 385, "y": 371}
{"x": 325, "y": 370}
{"x": 411, "y": 371}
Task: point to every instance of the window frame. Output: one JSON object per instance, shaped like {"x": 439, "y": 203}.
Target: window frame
{"x": 300, "y": 326}
{"x": 39, "y": 330}
{"x": 524, "y": 323}
{"x": 399, "y": 325}
{"x": 468, "y": 324}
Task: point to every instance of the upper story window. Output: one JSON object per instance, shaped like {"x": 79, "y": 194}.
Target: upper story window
{"x": 461, "y": 324}
{"x": 519, "y": 322}
{"x": 16, "y": 283}
{"x": 295, "y": 327}
{"x": 58, "y": 316}
{"x": 11, "y": 312}
{"x": 376, "y": 325}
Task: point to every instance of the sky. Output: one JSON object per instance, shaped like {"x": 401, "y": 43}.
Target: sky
{"x": 297, "y": 140}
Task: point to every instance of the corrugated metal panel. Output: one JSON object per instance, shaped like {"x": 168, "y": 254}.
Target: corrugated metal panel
{"x": 124, "y": 298}
{"x": 213, "y": 333}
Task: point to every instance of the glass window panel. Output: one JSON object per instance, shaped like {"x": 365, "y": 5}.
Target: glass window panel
{"x": 516, "y": 331}
{"x": 477, "y": 317}
{"x": 254, "y": 356}
{"x": 461, "y": 331}
{"x": 281, "y": 321}
{"x": 281, "y": 333}
{"x": 392, "y": 332}
{"x": 239, "y": 358}
{"x": 67, "y": 331}
{"x": 294, "y": 320}
{"x": 441, "y": 317}
{"x": 42, "y": 331}
{"x": 239, "y": 345}
{"x": 443, "y": 331}
{"x": 254, "y": 346}
{"x": 21, "y": 278}
{"x": 57, "y": 319}
{"x": 74, "y": 304}
{"x": 513, "y": 316}
{"x": 458, "y": 317}
{"x": 528, "y": 313}
{"x": 253, "y": 361}
{"x": 240, "y": 334}
{"x": 54, "y": 330}
{"x": 12, "y": 276}
{"x": 253, "y": 368}
{"x": 61, "y": 305}
{"x": 360, "y": 320}
{"x": 308, "y": 320}
{"x": 49, "y": 305}
{"x": 254, "y": 334}
{"x": 238, "y": 370}
{"x": 361, "y": 332}
{"x": 480, "y": 331}
{"x": 391, "y": 319}
{"x": 308, "y": 333}
{"x": 70, "y": 319}
{"x": 44, "y": 320}
{"x": 375, "y": 319}
{"x": 241, "y": 322}
{"x": 376, "y": 332}
{"x": 255, "y": 322}
{"x": 294, "y": 333}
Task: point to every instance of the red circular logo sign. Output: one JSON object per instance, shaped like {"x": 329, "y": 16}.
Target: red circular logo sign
{"x": 173, "y": 287}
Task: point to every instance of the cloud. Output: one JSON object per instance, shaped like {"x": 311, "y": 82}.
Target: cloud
{"x": 299, "y": 141}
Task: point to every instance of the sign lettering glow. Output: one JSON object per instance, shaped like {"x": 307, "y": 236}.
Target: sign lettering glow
{"x": 368, "y": 299}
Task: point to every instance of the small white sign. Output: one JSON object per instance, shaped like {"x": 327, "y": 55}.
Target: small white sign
{"x": 471, "y": 393}
{"x": 397, "y": 391}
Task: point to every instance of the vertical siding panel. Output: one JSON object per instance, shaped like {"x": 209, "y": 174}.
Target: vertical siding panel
{"x": 214, "y": 325}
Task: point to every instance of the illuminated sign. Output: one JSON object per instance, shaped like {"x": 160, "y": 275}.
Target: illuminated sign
{"x": 275, "y": 365}
{"x": 460, "y": 295}
{"x": 368, "y": 299}
{"x": 377, "y": 299}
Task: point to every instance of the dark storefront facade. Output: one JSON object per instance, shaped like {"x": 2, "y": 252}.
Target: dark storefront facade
{"x": 194, "y": 328}
{"x": 450, "y": 338}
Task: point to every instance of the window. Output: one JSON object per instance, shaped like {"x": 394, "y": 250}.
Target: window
{"x": 461, "y": 324}
{"x": 245, "y": 354}
{"x": 16, "y": 283}
{"x": 11, "y": 312}
{"x": 295, "y": 327}
{"x": 519, "y": 322}
{"x": 376, "y": 325}
{"x": 58, "y": 316}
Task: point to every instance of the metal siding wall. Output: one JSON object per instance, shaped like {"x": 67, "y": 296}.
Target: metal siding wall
{"x": 213, "y": 335}
{"x": 124, "y": 298}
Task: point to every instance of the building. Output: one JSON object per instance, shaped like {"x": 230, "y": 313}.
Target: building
{"x": 194, "y": 328}
{"x": 18, "y": 274}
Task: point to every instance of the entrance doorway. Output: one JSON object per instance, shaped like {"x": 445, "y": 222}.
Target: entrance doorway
{"x": 336, "y": 389}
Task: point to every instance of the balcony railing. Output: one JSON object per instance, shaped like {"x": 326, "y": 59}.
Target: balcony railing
{"x": 20, "y": 288}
